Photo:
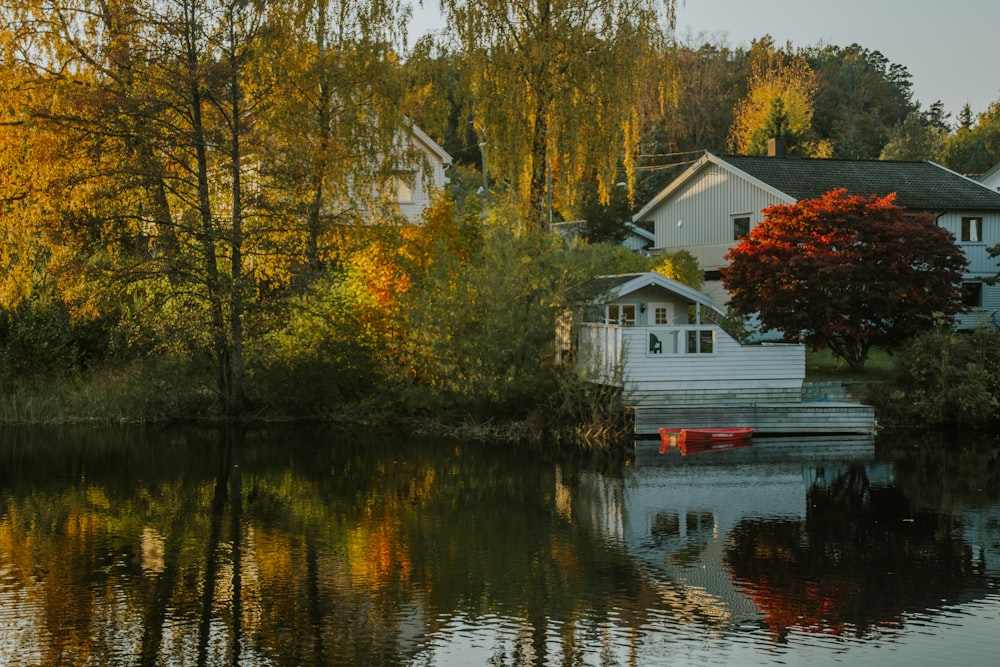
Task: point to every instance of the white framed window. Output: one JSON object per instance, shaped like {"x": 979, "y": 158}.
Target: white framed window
{"x": 621, "y": 313}
{"x": 660, "y": 315}
{"x": 406, "y": 187}
{"x": 972, "y": 230}
{"x": 741, "y": 226}
{"x": 700, "y": 341}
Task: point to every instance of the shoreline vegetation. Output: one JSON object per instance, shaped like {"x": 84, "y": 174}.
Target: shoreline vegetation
{"x": 235, "y": 213}
{"x": 940, "y": 380}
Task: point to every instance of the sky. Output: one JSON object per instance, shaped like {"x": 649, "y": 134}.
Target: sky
{"x": 948, "y": 46}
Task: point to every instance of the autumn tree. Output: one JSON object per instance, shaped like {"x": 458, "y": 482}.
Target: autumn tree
{"x": 190, "y": 155}
{"x": 778, "y": 104}
{"x": 555, "y": 87}
{"x": 846, "y": 272}
{"x": 681, "y": 266}
{"x": 336, "y": 125}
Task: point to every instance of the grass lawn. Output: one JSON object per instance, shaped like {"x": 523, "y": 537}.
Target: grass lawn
{"x": 823, "y": 365}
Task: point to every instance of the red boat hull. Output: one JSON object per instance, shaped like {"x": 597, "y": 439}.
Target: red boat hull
{"x": 696, "y": 440}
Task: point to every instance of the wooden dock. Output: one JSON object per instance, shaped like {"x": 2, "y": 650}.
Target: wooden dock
{"x": 824, "y": 410}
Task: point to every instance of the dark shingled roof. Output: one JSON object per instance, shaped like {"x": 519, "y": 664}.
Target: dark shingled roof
{"x": 918, "y": 185}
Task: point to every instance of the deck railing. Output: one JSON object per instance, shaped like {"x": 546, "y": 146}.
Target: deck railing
{"x": 615, "y": 354}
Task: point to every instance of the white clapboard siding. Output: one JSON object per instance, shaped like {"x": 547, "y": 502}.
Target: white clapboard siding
{"x": 732, "y": 372}
{"x": 700, "y": 213}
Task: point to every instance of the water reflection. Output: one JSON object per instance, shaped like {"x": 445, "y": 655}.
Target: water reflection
{"x": 307, "y": 547}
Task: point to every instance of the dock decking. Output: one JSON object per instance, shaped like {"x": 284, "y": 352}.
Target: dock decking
{"x": 826, "y": 408}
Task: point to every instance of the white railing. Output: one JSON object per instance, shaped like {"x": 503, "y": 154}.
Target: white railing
{"x": 606, "y": 340}
{"x": 619, "y": 355}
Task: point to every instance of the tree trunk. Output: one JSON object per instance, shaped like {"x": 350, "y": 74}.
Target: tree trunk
{"x": 208, "y": 232}
{"x": 234, "y": 398}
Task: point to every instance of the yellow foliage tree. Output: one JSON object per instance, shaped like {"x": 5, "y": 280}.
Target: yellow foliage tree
{"x": 556, "y": 88}
{"x": 681, "y": 266}
{"x": 778, "y": 104}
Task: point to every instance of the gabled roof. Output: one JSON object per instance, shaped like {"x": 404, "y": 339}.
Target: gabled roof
{"x": 623, "y": 284}
{"x": 434, "y": 147}
{"x": 990, "y": 173}
{"x": 640, "y": 232}
{"x": 921, "y": 186}
{"x": 689, "y": 174}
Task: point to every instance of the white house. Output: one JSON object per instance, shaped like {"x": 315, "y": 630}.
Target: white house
{"x": 636, "y": 239}
{"x": 663, "y": 344}
{"x": 415, "y": 185}
{"x": 716, "y": 201}
{"x": 991, "y": 178}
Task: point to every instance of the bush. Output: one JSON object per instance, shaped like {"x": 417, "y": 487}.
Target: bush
{"x": 942, "y": 379}
{"x": 481, "y": 333}
{"x": 141, "y": 390}
{"x": 37, "y": 338}
{"x": 321, "y": 356}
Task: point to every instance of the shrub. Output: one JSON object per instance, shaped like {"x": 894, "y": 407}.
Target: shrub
{"x": 943, "y": 379}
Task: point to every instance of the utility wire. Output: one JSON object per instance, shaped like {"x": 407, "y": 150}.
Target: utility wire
{"x": 697, "y": 152}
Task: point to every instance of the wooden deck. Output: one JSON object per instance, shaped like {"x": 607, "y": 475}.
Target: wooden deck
{"x": 803, "y": 417}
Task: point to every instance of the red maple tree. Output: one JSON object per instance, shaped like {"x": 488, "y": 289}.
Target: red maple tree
{"x": 846, "y": 272}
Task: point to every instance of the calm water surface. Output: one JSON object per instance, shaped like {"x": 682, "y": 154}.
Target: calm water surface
{"x": 314, "y": 547}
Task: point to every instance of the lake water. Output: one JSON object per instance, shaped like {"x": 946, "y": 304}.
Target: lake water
{"x": 321, "y": 547}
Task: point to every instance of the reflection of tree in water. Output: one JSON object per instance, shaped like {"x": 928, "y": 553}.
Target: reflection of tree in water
{"x": 943, "y": 470}
{"x": 860, "y": 560}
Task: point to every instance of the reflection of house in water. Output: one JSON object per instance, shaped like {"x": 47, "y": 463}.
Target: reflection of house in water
{"x": 981, "y": 530}
{"x": 789, "y": 539}
{"x": 678, "y": 518}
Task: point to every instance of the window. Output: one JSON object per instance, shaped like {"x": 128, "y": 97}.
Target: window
{"x": 621, "y": 313}
{"x": 972, "y": 295}
{"x": 700, "y": 341}
{"x": 741, "y": 227}
{"x": 660, "y": 315}
{"x": 972, "y": 230}
{"x": 406, "y": 186}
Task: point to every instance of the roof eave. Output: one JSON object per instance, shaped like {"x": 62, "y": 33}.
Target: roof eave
{"x": 656, "y": 279}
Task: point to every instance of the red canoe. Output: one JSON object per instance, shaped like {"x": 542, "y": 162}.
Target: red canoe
{"x": 696, "y": 440}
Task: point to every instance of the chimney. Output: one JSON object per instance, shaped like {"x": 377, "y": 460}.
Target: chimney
{"x": 776, "y": 147}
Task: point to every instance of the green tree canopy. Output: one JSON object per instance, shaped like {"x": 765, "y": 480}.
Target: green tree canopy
{"x": 859, "y": 97}
{"x": 974, "y": 146}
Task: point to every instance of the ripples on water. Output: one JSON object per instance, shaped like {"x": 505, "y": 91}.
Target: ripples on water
{"x": 315, "y": 549}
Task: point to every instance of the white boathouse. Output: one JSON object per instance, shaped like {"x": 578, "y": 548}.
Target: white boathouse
{"x": 663, "y": 343}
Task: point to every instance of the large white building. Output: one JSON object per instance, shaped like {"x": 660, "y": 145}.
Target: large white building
{"x": 709, "y": 207}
